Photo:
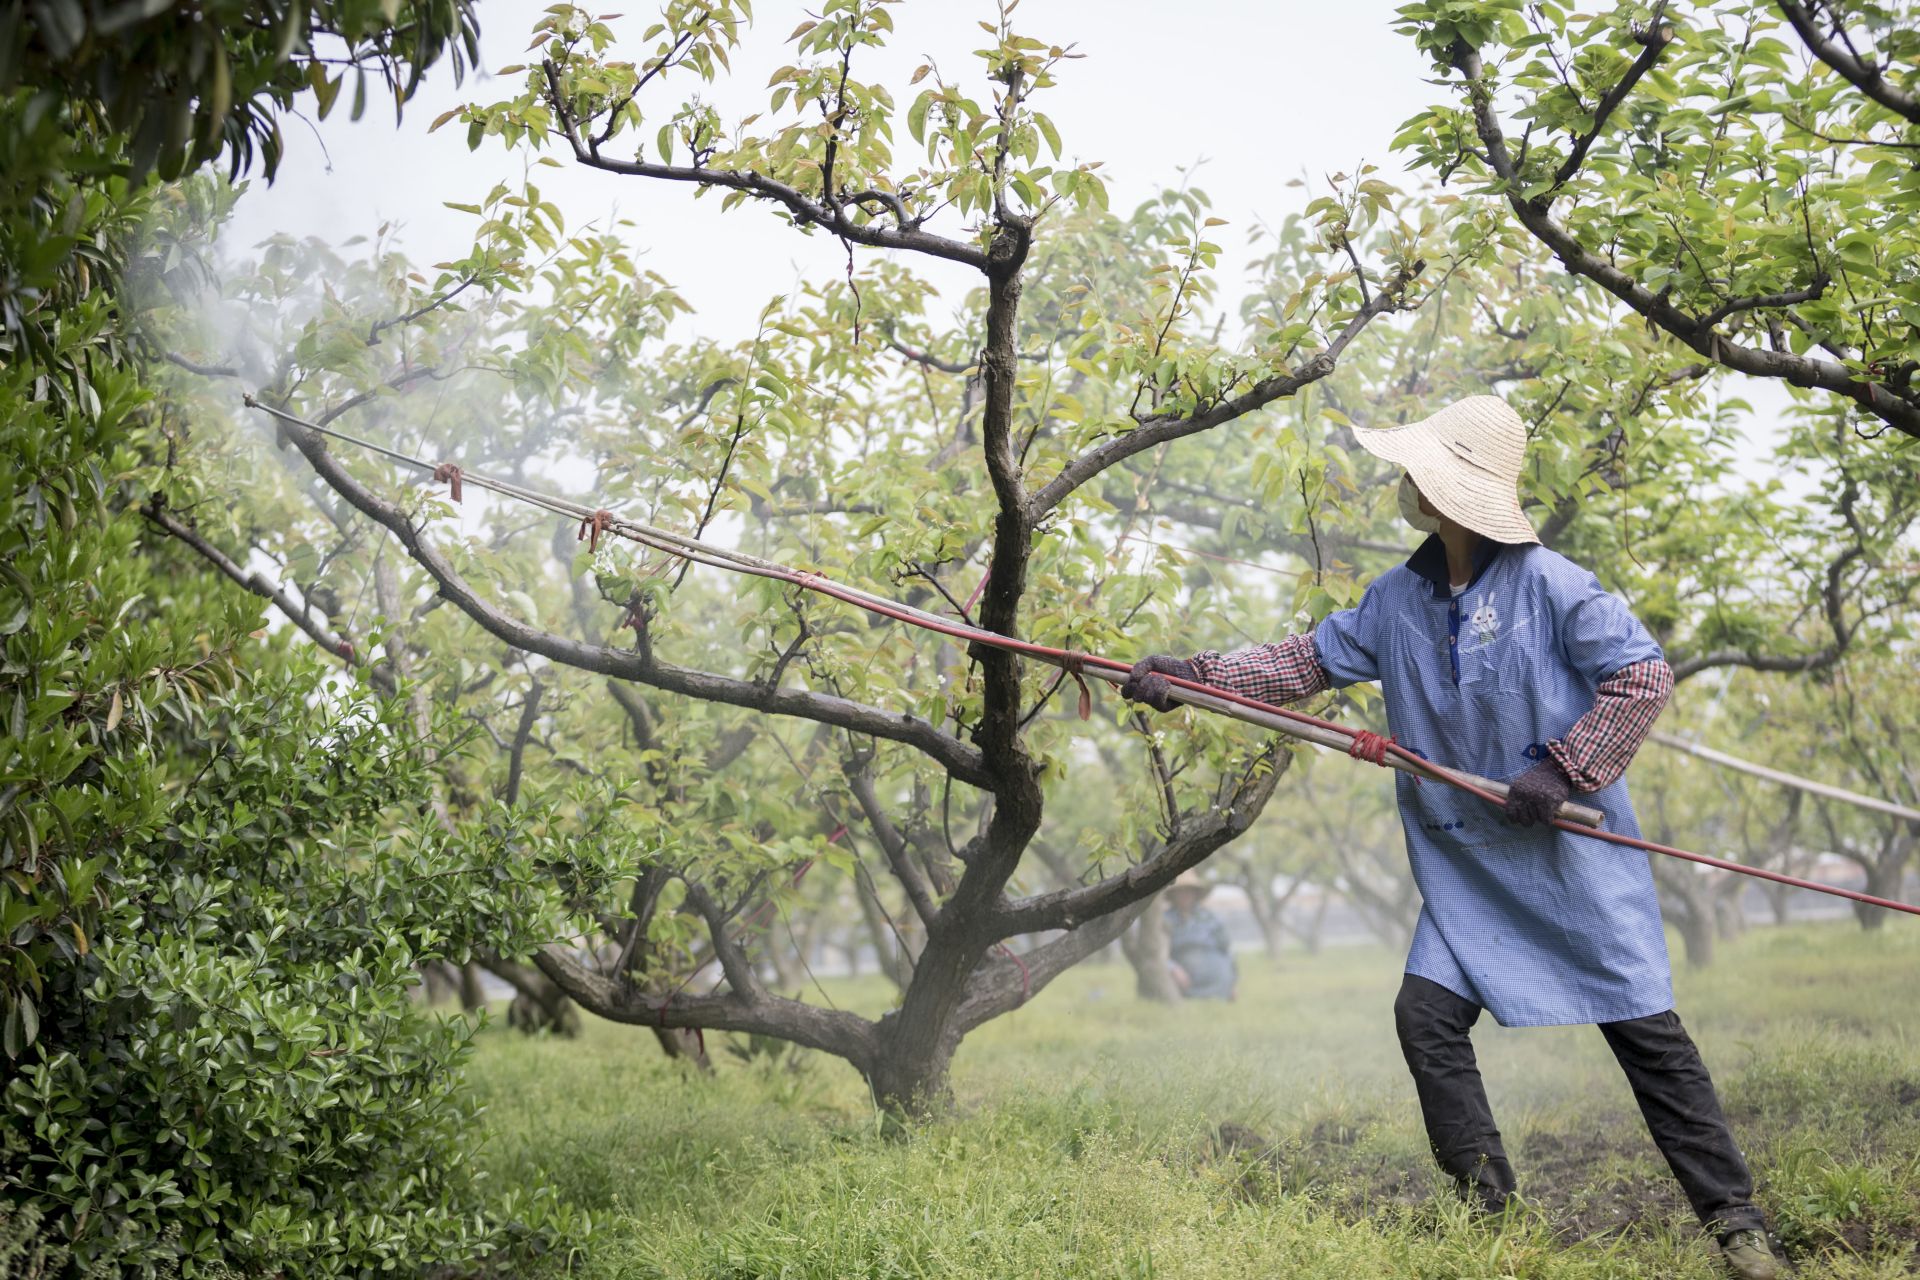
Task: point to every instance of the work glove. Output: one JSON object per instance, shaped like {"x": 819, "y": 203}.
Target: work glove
{"x": 1147, "y": 682}
{"x": 1537, "y": 794}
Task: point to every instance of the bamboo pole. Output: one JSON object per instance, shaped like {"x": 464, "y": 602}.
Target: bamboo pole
{"x": 1808, "y": 785}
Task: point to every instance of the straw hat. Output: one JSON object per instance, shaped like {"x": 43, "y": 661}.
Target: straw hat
{"x": 1190, "y": 879}
{"x": 1466, "y": 460}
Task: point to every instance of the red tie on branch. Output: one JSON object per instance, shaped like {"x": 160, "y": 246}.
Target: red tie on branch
{"x": 593, "y": 525}
{"x": 1365, "y": 744}
{"x": 1074, "y": 663}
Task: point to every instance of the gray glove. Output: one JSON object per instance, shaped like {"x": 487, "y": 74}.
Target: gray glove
{"x": 1537, "y": 794}
{"x": 1147, "y": 682}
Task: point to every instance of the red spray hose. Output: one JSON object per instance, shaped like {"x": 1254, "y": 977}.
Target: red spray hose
{"x": 1070, "y": 659}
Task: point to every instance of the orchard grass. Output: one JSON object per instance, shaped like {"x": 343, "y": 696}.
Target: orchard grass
{"x": 1085, "y": 1137}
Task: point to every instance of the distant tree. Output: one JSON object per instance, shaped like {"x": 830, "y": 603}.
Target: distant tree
{"x": 1864, "y": 723}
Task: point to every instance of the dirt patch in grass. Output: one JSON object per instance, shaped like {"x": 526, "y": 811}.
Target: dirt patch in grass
{"x": 1600, "y": 1181}
{"x": 1604, "y": 1180}
{"x": 1329, "y": 1160}
{"x": 1875, "y": 1116}
{"x": 1861, "y": 1238}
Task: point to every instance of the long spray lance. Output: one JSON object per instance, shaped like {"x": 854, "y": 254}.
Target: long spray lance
{"x": 1360, "y": 743}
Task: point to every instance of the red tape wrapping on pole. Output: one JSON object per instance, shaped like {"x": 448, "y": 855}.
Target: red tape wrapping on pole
{"x": 1366, "y": 745}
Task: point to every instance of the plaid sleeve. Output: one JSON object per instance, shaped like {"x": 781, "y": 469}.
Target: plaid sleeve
{"x": 1597, "y": 749}
{"x": 1284, "y": 671}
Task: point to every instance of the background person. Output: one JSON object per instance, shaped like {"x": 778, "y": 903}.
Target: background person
{"x": 1198, "y": 949}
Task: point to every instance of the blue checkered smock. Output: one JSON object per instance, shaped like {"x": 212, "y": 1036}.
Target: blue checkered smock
{"x": 1537, "y": 925}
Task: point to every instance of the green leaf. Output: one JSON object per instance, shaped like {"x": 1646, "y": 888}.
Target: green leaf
{"x": 1048, "y": 132}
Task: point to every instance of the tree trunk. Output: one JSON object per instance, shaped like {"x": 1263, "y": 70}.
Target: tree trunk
{"x": 1697, "y": 935}
{"x": 914, "y": 1048}
{"x": 909, "y": 1079}
{"x": 437, "y": 983}
{"x": 473, "y": 992}
{"x": 1269, "y": 909}
{"x": 1688, "y": 906}
{"x": 896, "y": 960}
{"x": 1267, "y": 915}
{"x": 1729, "y": 908}
{"x": 539, "y": 1004}
{"x": 1882, "y": 882}
{"x": 1779, "y": 899}
{"x": 1313, "y": 937}
{"x": 1695, "y": 922}
{"x": 788, "y": 965}
{"x": 1145, "y": 946}
{"x": 1886, "y": 875}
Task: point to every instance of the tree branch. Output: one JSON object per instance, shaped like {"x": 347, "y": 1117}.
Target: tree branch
{"x": 300, "y": 615}
{"x": 926, "y": 358}
{"x": 1072, "y": 908}
{"x": 516, "y": 754}
{"x": 733, "y": 961}
{"x": 803, "y": 208}
{"x": 1833, "y": 597}
{"x": 1767, "y": 300}
{"x": 204, "y": 370}
{"x": 1862, "y": 75}
{"x": 1799, "y": 371}
{"x": 892, "y": 843}
{"x": 1005, "y": 987}
{"x": 1654, "y": 41}
{"x": 431, "y": 305}
{"x": 963, "y": 761}
{"x": 830, "y": 1030}
{"x": 1159, "y": 428}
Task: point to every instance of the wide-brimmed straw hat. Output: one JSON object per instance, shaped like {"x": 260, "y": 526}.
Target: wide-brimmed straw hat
{"x": 1466, "y": 460}
{"x": 1190, "y": 879}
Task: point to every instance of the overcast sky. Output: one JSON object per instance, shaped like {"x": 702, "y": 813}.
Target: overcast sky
{"x": 1254, "y": 94}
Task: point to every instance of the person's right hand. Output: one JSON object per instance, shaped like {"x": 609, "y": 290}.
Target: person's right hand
{"x": 1147, "y": 682}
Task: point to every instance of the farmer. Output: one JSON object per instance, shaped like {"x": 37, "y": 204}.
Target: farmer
{"x": 1199, "y": 953}
{"x": 1498, "y": 656}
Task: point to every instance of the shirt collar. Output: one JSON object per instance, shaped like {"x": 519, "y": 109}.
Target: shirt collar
{"x": 1429, "y": 560}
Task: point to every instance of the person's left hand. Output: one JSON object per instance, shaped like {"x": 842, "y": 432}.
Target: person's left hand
{"x": 1537, "y": 794}
{"x": 1147, "y": 682}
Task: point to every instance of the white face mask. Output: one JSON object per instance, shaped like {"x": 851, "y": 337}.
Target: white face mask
{"x": 1410, "y": 507}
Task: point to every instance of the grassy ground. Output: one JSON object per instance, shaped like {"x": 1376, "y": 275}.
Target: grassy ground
{"x": 1086, "y": 1140}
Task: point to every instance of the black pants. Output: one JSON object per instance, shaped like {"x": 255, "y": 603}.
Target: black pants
{"x": 1663, "y": 1066}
